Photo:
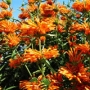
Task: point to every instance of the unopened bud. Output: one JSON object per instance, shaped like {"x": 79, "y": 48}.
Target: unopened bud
{"x": 8, "y": 2}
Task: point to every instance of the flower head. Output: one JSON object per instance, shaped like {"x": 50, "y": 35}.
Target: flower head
{"x": 50, "y": 53}
{"x": 13, "y": 63}
{"x": 12, "y": 39}
{"x": 79, "y": 6}
{"x": 7, "y": 26}
{"x": 4, "y": 5}
{"x": 31, "y": 55}
{"x": 47, "y": 10}
{"x": 6, "y": 14}
{"x": 27, "y": 85}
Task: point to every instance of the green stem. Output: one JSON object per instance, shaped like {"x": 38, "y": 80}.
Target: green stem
{"x": 40, "y": 45}
{"x": 28, "y": 70}
{"x": 42, "y": 70}
{"x": 32, "y": 45}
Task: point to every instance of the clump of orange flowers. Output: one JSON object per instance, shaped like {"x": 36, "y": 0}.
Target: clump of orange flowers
{"x": 5, "y": 11}
{"x": 55, "y": 81}
{"x": 81, "y": 5}
{"x": 75, "y": 70}
{"x": 79, "y": 75}
{"x": 32, "y": 56}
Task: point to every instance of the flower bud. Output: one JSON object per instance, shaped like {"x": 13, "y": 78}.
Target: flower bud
{"x": 8, "y": 2}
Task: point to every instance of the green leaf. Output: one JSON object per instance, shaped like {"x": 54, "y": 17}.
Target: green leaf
{"x": 33, "y": 79}
{"x": 49, "y": 66}
{"x": 10, "y": 88}
{"x": 8, "y": 2}
{"x": 2, "y": 67}
{"x": 13, "y": 53}
{"x": 2, "y": 79}
{"x": 45, "y": 81}
{"x": 51, "y": 35}
{"x": 88, "y": 70}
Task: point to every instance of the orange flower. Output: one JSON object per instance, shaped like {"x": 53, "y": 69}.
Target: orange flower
{"x": 83, "y": 75}
{"x": 87, "y": 5}
{"x": 32, "y": 8}
{"x": 31, "y": 55}
{"x": 60, "y": 28}
{"x": 12, "y": 39}
{"x": 79, "y": 6}
{"x": 64, "y": 71}
{"x": 74, "y": 67}
{"x": 6, "y": 14}
{"x": 83, "y": 48}
{"x": 7, "y": 26}
{"x": 31, "y": 1}
{"x": 63, "y": 18}
{"x": 55, "y": 81}
{"x": 42, "y": 38}
{"x": 47, "y": 9}
{"x": 43, "y": 27}
{"x": 63, "y": 9}
{"x": 26, "y": 85}
{"x": 73, "y": 71}
{"x": 50, "y": 53}
{"x": 80, "y": 27}
{"x": 13, "y": 63}
{"x": 87, "y": 28}
{"x": 74, "y": 55}
{"x": 28, "y": 28}
{"x": 87, "y": 87}
{"x": 82, "y": 86}
{"x": 23, "y": 15}
{"x": 4, "y": 5}
{"x": 77, "y": 27}
{"x": 72, "y": 41}
{"x": 78, "y": 74}
{"x": 50, "y": 2}
{"x": 26, "y": 12}
{"x": 78, "y": 15}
